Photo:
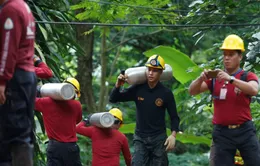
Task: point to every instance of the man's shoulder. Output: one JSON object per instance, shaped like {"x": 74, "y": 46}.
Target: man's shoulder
{"x": 73, "y": 102}
{"x": 251, "y": 77}
{"x": 44, "y": 99}
{"x": 10, "y": 8}
{"x": 164, "y": 88}
{"x": 120, "y": 134}
{"x": 15, "y": 9}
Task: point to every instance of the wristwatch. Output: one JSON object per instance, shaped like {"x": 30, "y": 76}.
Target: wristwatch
{"x": 231, "y": 79}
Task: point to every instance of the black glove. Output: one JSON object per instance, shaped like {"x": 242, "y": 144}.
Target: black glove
{"x": 87, "y": 122}
{"x": 36, "y": 60}
{"x": 38, "y": 91}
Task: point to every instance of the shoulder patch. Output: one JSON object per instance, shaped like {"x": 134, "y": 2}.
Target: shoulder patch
{"x": 8, "y": 24}
{"x": 159, "y": 102}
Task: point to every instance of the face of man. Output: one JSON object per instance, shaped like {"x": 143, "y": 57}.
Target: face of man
{"x": 153, "y": 74}
{"x": 231, "y": 59}
{"x": 117, "y": 123}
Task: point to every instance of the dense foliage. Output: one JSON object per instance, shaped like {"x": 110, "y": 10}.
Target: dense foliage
{"x": 188, "y": 49}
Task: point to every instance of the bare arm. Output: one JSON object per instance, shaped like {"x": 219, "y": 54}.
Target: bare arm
{"x": 250, "y": 88}
{"x": 198, "y": 86}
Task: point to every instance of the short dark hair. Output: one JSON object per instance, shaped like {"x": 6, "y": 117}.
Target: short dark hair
{"x": 239, "y": 51}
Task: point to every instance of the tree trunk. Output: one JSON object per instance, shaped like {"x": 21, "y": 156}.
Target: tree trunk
{"x": 102, "y": 97}
{"x": 85, "y": 67}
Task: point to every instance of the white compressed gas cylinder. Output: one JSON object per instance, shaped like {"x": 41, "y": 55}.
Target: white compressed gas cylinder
{"x": 136, "y": 75}
{"x": 167, "y": 73}
{"x": 58, "y": 91}
{"x": 102, "y": 119}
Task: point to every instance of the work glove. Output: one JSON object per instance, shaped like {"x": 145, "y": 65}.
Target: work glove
{"x": 87, "y": 120}
{"x": 36, "y": 60}
{"x": 38, "y": 91}
{"x": 170, "y": 143}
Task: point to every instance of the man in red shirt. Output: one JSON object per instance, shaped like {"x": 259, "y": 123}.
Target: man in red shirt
{"x": 41, "y": 69}
{"x": 107, "y": 143}
{"x": 60, "y": 119}
{"x": 17, "y": 82}
{"x": 233, "y": 126}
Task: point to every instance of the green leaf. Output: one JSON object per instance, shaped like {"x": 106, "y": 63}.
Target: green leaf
{"x": 180, "y": 63}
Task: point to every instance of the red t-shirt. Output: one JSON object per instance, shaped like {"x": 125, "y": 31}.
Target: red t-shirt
{"x": 17, "y": 32}
{"x": 43, "y": 71}
{"x": 60, "y": 118}
{"x": 235, "y": 109}
{"x": 106, "y": 145}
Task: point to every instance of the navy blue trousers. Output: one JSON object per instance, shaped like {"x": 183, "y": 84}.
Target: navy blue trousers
{"x": 226, "y": 141}
{"x": 16, "y": 114}
{"x": 63, "y": 154}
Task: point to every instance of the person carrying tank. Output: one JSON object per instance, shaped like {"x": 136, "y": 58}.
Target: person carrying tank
{"x": 60, "y": 118}
{"x": 233, "y": 127}
{"x": 17, "y": 83}
{"x": 41, "y": 69}
{"x": 107, "y": 143}
{"x": 152, "y": 99}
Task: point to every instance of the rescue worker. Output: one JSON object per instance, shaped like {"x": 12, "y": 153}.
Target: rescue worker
{"x": 107, "y": 143}
{"x": 17, "y": 83}
{"x": 232, "y": 120}
{"x": 60, "y": 119}
{"x": 152, "y": 99}
{"x": 41, "y": 69}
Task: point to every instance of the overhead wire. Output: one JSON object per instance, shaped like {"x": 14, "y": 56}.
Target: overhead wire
{"x": 146, "y": 25}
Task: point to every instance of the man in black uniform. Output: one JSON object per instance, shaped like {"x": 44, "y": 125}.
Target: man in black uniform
{"x": 152, "y": 99}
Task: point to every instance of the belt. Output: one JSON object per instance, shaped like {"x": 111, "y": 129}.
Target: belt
{"x": 55, "y": 141}
{"x": 233, "y": 126}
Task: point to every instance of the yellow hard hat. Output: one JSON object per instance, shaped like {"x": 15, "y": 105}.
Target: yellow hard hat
{"x": 233, "y": 42}
{"x": 156, "y": 61}
{"x": 75, "y": 83}
{"x": 117, "y": 113}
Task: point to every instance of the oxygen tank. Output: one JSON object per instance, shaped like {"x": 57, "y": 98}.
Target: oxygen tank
{"x": 136, "y": 75}
{"x": 102, "y": 119}
{"x": 58, "y": 91}
{"x": 167, "y": 73}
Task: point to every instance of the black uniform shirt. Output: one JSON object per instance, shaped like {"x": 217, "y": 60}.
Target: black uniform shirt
{"x": 151, "y": 105}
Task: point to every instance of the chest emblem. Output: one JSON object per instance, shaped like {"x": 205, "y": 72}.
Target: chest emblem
{"x": 237, "y": 91}
{"x": 159, "y": 102}
{"x": 140, "y": 99}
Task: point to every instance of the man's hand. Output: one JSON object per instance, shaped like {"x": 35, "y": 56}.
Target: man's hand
{"x": 203, "y": 75}
{"x": 223, "y": 76}
{"x": 120, "y": 80}
{"x": 170, "y": 143}
{"x": 2, "y": 94}
{"x": 36, "y": 60}
{"x": 86, "y": 121}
